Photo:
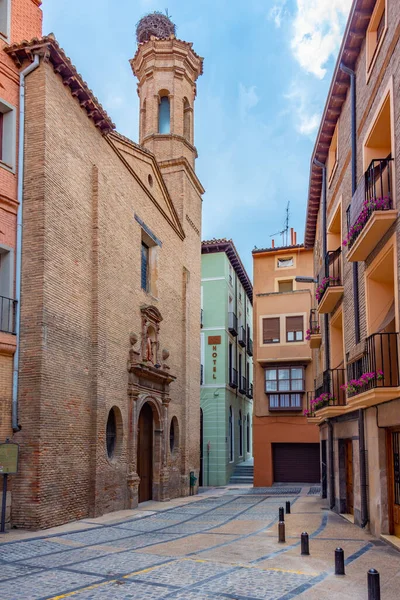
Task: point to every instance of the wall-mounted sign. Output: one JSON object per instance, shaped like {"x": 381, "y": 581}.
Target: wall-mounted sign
{"x": 214, "y": 340}
{"x": 9, "y": 458}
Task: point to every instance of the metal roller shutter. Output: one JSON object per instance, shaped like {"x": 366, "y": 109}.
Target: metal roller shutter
{"x": 296, "y": 463}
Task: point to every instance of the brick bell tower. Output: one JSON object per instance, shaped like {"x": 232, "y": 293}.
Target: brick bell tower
{"x": 167, "y": 70}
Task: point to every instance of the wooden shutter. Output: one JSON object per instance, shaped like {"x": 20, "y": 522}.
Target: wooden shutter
{"x": 271, "y": 330}
{"x": 294, "y": 323}
{"x": 286, "y": 286}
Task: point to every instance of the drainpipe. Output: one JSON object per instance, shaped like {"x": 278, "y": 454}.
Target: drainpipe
{"x": 20, "y": 168}
{"x": 356, "y": 294}
{"x": 331, "y": 466}
{"x": 361, "y": 432}
{"x": 363, "y": 470}
{"x": 324, "y": 253}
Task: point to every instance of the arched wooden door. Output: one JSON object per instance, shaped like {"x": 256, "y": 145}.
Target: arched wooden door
{"x": 145, "y": 453}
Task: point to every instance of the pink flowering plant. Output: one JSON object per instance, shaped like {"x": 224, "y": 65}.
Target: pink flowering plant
{"x": 356, "y": 386}
{"x": 322, "y": 400}
{"x": 323, "y": 285}
{"x": 313, "y": 331}
{"x": 369, "y": 206}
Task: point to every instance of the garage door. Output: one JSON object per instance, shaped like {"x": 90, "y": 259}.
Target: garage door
{"x": 296, "y": 463}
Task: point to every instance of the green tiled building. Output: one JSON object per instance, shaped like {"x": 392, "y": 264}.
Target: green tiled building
{"x": 226, "y": 362}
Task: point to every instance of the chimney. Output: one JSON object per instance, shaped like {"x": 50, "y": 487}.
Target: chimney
{"x": 291, "y": 236}
{"x": 294, "y": 238}
{"x": 273, "y": 243}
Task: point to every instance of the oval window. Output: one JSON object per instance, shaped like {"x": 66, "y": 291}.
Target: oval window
{"x": 111, "y": 433}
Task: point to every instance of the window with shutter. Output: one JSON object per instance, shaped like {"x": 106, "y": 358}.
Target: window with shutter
{"x": 285, "y": 286}
{"x": 271, "y": 330}
{"x": 295, "y": 329}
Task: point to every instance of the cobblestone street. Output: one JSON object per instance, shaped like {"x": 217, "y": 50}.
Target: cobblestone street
{"x": 221, "y": 544}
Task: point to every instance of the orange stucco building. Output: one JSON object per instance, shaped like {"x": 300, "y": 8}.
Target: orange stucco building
{"x": 285, "y": 446}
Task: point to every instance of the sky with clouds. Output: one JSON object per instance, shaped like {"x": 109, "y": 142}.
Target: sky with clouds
{"x": 267, "y": 70}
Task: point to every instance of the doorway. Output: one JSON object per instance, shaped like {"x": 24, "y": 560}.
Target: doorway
{"x": 394, "y": 482}
{"x": 145, "y": 453}
{"x": 201, "y": 449}
{"x": 349, "y": 477}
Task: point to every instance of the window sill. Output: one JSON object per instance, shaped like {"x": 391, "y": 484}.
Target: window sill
{"x": 285, "y": 409}
{"x": 7, "y": 167}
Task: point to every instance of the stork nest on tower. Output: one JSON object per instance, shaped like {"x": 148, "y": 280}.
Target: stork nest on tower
{"x": 156, "y": 24}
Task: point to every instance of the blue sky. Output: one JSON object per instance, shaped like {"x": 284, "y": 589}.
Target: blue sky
{"x": 267, "y": 70}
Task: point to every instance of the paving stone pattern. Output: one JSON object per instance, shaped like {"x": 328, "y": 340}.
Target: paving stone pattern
{"x": 118, "y": 562}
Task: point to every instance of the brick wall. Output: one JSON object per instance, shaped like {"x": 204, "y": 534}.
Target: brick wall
{"x": 82, "y": 299}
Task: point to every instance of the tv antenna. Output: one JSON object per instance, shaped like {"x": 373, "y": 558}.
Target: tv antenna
{"x": 285, "y": 232}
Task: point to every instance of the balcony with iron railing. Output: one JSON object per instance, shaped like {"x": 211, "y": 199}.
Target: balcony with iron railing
{"x": 243, "y": 385}
{"x": 374, "y": 378}
{"x": 371, "y": 212}
{"x": 242, "y": 337}
{"x": 329, "y": 397}
{"x": 249, "y": 346}
{"x": 314, "y": 336}
{"x": 8, "y": 308}
{"x": 330, "y": 285}
{"x": 201, "y": 374}
{"x": 249, "y": 393}
{"x": 201, "y": 318}
{"x": 233, "y": 378}
{"x": 232, "y": 324}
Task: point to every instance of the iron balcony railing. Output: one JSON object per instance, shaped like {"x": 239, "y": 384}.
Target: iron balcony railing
{"x": 8, "y": 308}
{"x": 243, "y": 385}
{"x": 250, "y": 391}
{"x": 329, "y": 393}
{"x": 232, "y": 323}
{"x": 378, "y": 367}
{"x": 242, "y": 337}
{"x": 331, "y": 273}
{"x": 201, "y": 374}
{"x": 314, "y": 321}
{"x": 249, "y": 346}
{"x": 233, "y": 378}
{"x": 201, "y": 317}
{"x": 374, "y": 192}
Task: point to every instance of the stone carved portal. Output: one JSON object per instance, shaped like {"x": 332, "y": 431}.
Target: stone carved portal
{"x": 148, "y": 392}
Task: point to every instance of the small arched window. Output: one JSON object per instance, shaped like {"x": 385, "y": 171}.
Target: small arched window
{"x": 186, "y": 119}
{"x": 164, "y": 115}
{"x": 173, "y": 434}
{"x": 144, "y": 119}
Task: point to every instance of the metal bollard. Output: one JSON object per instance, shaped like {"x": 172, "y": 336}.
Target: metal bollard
{"x": 288, "y": 507}
{"x": 281, "y": 532}
{"x": 305, "y": 545}
{"x": 281, "y": 514}
{"x": 374, "y": 586}
{"x": 339, "y": 562}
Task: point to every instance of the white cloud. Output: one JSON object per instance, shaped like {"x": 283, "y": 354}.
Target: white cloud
{"x": 247, "y": 99}
{"x": 307, "y": 117}
{"x": 317, "y": 32}
{"x": 277, "y": 12}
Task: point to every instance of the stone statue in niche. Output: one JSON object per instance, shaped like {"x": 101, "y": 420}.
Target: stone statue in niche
{"x": 151, "y": 346}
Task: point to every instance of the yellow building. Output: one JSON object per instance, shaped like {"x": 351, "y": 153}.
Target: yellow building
{"x": 285, "y": 447}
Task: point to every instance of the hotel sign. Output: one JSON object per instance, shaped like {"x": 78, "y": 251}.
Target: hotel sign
{"x": 214, "y": 341}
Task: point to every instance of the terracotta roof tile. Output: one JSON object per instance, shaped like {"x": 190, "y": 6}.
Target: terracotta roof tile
{"x": 49, "y": 49}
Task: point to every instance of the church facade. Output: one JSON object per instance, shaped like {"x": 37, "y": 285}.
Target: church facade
{"x": 109, "y": 378}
